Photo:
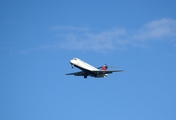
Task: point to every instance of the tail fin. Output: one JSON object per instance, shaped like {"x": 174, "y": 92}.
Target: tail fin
{"x": 104, "y": 67}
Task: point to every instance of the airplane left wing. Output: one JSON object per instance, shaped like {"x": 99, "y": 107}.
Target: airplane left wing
{"x": 81, "y": 73}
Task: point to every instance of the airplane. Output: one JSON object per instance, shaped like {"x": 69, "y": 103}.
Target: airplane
{"x": 89, "y": 70}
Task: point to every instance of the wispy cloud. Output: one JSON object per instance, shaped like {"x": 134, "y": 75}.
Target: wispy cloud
{"x": 91, "y": 41}
{"x": 83, "y": 38}
{"x": 159, "y": 29}
{"x": 164, "y": 29}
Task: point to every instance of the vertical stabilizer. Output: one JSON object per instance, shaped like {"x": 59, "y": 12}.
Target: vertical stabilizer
{"x": 104, "y": 67}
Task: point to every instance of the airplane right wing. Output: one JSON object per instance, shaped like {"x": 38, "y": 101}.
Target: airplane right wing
{"x": 106, "y": 71}
{"x": 81, "y": 73}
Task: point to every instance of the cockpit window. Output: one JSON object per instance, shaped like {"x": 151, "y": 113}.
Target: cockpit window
{"x": 74, "y": 58}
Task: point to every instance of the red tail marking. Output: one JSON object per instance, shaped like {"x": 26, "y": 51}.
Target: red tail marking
{"x": 103, "y": 68}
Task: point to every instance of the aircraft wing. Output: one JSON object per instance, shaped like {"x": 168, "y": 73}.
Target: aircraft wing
{"x": 99, "y": 72}
{"x": 107, "y": 71}
{"x": 81, "y": 73}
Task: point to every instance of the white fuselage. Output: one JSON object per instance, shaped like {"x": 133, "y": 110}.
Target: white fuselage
{"x": 81, "y": 64}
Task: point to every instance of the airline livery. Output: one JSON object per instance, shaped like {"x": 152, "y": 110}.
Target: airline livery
{"x": 89, "y": 70}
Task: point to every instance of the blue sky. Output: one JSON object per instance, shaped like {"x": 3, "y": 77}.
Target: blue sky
{"x": 38, "y": 38}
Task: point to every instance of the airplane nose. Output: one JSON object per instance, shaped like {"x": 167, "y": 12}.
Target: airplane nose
{"x": 71, "y": 61}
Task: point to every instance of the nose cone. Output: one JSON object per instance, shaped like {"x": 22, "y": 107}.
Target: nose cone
{"x": 74, "y": 61}
{"x": 71, "y": 61}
